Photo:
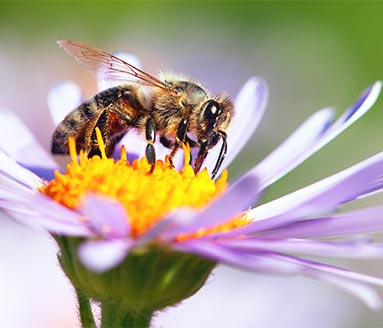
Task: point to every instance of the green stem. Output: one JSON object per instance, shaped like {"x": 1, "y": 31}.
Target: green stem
{"x": 113, "y": 316}
{"x": 85, "y": 311}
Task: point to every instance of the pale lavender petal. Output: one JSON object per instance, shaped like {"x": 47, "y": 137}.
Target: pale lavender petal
{"x": 271, "y": 171}
{"x": 250, "y": 106}
{"x": 221, "y": 210}
{"x": 355, "y": 222}
{"x": 18, "y": 142}
{"x": 220, "y": 253}
{"x": 17, "y": 198}
{"x": 268, "y": 262}
{"x": 100, "y": 256}
{"x": 321, "y": 197}
{"x": 292, "y": 151}
{"x": 345, "y": 249}
{"x": 106, "y": 216}
{"x": 315, "y": 268}
{"x": 365, "y": 293}
{"x": 105, "y": 81}
{"x": 64, "y": 97}
{"x": 9, "y": 167}
{"x": 359, "y": 108}
{"x": 38, "y": 220}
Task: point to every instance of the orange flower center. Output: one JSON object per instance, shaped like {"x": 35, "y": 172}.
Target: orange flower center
{"x": 146, "y": 197}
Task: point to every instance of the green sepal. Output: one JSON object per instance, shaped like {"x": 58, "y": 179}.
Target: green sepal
{"x": 148, "y": 280}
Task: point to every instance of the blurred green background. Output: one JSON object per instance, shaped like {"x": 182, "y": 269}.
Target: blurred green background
{"x": 312, "y": 55}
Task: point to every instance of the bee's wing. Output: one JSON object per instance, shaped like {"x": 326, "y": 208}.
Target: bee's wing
{"x": 110, "y": 66}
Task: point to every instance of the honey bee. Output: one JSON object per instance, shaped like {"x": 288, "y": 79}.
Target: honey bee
{"x": 174, "y": 108}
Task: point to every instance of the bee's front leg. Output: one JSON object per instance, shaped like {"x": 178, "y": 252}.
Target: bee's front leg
{"x": 150, "y": 135}
{"x": 180, "y": 137}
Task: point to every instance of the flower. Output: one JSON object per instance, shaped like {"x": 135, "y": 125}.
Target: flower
{"x": 219, "y": 224}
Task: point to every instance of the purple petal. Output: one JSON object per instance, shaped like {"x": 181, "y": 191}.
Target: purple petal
{"x": 223, "y": 254}
{"x": 268, "y": 262}
{"x": 313, "y": 268}
{"x": 16, "y": 198}
{"x": 352, "y": 282}
{"x": 64, "y": 97}
{"x": 224, "y": 208}
{"x": 19, "y": 143}
{"x": 100, "y": 256}
{"x": 106, "y": 216}
{"x": 355, "y": 222}
{"x": 346, "y": 249}
{"x": 305, "y": 148}
{"x": 321, "y": 197}
{"x": 359, "y": 108}
{"x": 293, "y": 151}
{"x": 249, "y": 107}
{"x": 105, "y": 81}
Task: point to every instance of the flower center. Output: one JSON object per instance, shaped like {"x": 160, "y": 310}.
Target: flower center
{"x": 147, "y": 197}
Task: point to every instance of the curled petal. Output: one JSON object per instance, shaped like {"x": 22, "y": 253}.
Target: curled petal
{"x": 106, "y": 216}
{"x": 100, "y": 256}
{"x": 231, "y": 203}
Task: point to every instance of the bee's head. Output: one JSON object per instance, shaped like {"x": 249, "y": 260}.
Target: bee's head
{"x": 214, "y": 119}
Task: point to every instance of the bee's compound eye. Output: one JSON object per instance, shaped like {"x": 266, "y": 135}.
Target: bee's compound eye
{"x": 212, "y": 110}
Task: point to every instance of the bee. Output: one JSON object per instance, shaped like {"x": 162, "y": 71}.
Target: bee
{"x": 174, "y": 109}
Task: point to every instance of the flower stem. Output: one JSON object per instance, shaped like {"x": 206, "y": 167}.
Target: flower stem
{"x": 113, "y": 316}
{"x": 85, "y": 311}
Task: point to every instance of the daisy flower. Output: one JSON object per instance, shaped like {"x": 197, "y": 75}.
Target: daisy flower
{"x": 138, "y": 242}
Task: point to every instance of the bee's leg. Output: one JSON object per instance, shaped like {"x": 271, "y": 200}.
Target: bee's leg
{"x": 192, "y": 144}
{"x": 200, "y": 157}
{"x": 180, "y": 137}
{"x": 166, "y": 142}
{"x": 102, "y": 123}
{"x": 112, "y": 124}
{"x": 150, "y": 135}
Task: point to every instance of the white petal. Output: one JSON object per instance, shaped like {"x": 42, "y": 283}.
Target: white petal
{"x": 64, "y": 97}
{"x": 18, "y": 142}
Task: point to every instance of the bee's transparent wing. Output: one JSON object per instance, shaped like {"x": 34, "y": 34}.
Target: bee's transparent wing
{"x": 108, "y": 66}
